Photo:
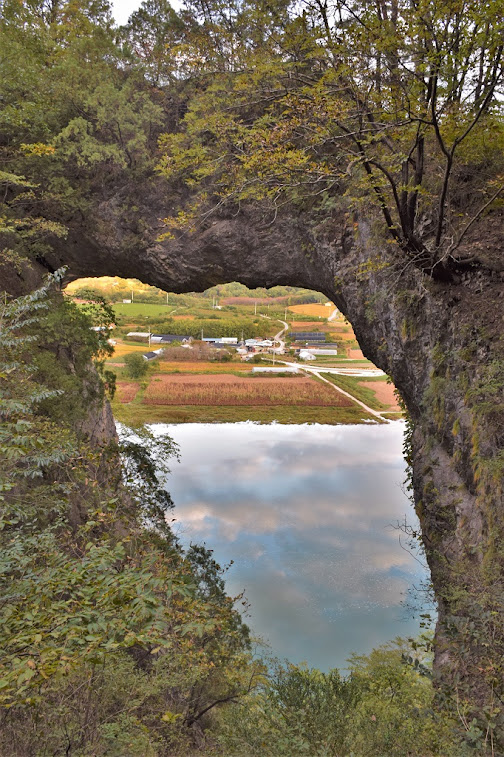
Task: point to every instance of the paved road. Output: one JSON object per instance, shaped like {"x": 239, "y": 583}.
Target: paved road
{"x": 278, "y": 337}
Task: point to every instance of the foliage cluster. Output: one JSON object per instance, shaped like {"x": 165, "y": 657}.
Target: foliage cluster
{"x": 208, "y": 326}
{"x": 382, "y": 707}
{"x": 114, "y": 640}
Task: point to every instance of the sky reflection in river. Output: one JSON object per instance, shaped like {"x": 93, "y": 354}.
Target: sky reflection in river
{"x": 307, "y": 515}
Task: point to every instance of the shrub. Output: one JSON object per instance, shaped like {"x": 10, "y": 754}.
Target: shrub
{"x": 136, "y": 365}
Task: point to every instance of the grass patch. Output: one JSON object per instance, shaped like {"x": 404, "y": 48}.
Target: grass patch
{"x": 142, "y": 308}
{"x": 328, "y": 359}
{"x": 136, "y": 414}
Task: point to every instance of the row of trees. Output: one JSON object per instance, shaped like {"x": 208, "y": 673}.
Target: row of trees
{"x": 117, "y": 290}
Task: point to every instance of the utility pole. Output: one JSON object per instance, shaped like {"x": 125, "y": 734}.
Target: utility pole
{"x": 255, "y": 308}
{"x": 132, "y": 295}
{"x": 167, "y": 298}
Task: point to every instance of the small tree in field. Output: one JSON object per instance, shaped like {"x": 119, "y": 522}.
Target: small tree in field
{"x": 136, "y": 365}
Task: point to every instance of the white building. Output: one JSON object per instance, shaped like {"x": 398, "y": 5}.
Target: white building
{"x": 271, "y": 369}
{"x": 316, "y": 351}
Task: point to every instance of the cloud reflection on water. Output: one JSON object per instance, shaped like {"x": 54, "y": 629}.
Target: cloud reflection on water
{"x": 306, "y": 513}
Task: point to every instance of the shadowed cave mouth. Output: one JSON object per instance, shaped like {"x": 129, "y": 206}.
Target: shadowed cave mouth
{"x": 301, "y": 486}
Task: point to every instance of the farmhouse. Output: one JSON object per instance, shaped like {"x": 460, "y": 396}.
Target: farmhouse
{"x": 152, "y": 355}
{"x": 229, "y": 341}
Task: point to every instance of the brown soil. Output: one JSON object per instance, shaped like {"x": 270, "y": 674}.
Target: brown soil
{"x": 355, "y": 354}
{"x": 384, "y": 393}
{"x": 126, "y": 391}
{"x": 345, "y": 336}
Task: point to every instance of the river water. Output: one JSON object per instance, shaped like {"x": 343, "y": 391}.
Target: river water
{"x": 307, "y": 514}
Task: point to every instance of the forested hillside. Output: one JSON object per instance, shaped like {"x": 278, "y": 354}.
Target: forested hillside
{"x": 349, "y": 148}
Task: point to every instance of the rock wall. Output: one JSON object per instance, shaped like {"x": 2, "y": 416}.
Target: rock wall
{"x": 442, "y": 344}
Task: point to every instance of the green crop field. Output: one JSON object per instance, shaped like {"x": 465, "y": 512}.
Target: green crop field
{"x": 142, "y": 308}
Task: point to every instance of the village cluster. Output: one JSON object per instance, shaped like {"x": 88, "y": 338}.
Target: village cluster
{"x": 305, "y": 345}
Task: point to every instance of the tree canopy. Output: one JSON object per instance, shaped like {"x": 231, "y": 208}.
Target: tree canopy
{"x": 391, "y": 105}
{"x": 391, "y": 109}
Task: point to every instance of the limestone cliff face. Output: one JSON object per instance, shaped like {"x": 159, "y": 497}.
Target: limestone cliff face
{"x": 442, "y": 344}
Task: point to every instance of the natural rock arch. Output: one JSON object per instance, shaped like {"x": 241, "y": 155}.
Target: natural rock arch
{"x": 441, "y": 342}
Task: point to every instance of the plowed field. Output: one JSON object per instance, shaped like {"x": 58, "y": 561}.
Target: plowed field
{"x": 126, "y": 391}
{"x": 384, "y": 393}
{"x": 237, "y": 391}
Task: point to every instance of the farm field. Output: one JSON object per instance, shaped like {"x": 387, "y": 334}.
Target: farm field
{"x": 182, "y": 388}
{"x": 314, "y": 309}
{"x": 179, "y": 389}
{"x": 133, "y": 309}
{"x": 126, "y": 391}
{"x": 202, "y": 366}
{"x": 121, "y": 349}
{"x": 384, "y": 393}
{"x": 336, "y": 326}
{"x": 184, "y": 398}
{"x": 346, "y": 336}
{"x": 373, "y": 391}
